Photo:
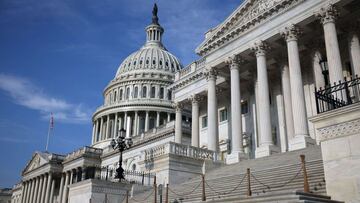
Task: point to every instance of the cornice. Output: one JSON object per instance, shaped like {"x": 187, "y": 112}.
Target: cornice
{"x": 250, "y": 14}
{"x": 188, "y": 79}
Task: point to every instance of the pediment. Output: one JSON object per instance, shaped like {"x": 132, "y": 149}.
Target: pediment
{"x": 249, "y": 14}
{"x": 36, "y": 161}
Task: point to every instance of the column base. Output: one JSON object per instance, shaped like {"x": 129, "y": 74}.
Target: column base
{"x": 301, "y": 142}
{"x": 236, "y": 157}
{"x": 266, "y": 150}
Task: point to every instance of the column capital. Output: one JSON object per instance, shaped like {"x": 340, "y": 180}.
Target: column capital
{"x": 195, "y": 98}
{"x": 291, "y": 32}
{"x": 260, "y": 48}
{"x": 211, "y": 73}
{"x": 234, "y": 61}
{"x": 178, "y": 106}
{"x": 327, "y": 14}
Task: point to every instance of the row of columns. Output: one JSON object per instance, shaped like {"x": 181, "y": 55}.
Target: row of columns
{"x": 292, "y": 88}
{"x": 39, "y": 189}
{"x": 103, "y": 132}
{"x": 68, "y": 178}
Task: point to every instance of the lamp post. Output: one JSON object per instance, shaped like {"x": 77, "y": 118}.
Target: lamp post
{"x": 325, "y": 70}
{"x": 121, "y": 143}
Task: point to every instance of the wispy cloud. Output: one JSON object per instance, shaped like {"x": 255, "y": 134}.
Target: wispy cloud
{"x": 24, "y": 92}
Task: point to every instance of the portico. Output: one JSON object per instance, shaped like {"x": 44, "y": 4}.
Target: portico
{"x": 285, "y": 64}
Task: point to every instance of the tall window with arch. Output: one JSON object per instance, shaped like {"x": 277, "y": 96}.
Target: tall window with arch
{"x": 136, "y": 92}
{"x": 121, "y": 94}
{"x": 152, "y": 93}
{"x": 127, "y": 92}
{"x": 115, "y": 94}
{"x": 144, "y": 92}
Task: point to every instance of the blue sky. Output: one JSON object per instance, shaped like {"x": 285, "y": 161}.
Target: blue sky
{"x": 58, "y": 55}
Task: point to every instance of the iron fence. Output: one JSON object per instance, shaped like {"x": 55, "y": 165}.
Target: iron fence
{"x": 339, "y": 95}
{"x": 134, "y": 177}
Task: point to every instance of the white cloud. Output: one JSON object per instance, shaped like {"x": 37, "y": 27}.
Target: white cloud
{"x": 25, "y": 93}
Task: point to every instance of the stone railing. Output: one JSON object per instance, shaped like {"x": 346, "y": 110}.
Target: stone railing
{"x": 190, "y": 68}
{"x": 180, "y": 150}
{"x": 82, "y": 151}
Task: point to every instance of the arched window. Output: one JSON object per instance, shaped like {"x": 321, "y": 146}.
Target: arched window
{"x": 127, "y": 93}
{"x": 136, "y": 92}
{"x": 121, "y": 94}
{"x": 161, "y": 94}
{"x": 115, "y": 94}
{"x": 152, "y": 93}
{"x": 133, "y": 167}
{"x": 144, "y": 92}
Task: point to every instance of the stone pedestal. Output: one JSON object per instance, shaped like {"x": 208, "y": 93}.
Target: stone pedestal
{"x": 266, "y": 150}
{"x": 94, "y": 190}
{"x": 236, "y": 157}
{"x": 339, "y": 134}
{"x": 300, "y": 142}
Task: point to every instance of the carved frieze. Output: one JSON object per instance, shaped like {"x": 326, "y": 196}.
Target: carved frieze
{"x": 339, "y": 130}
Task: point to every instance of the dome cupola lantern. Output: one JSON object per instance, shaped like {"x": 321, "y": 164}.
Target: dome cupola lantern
{"x": 154, "y": 31}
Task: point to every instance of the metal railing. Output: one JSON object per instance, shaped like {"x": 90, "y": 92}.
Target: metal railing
{"x": 339, "y": 95}
{"x": 133, "y": 177}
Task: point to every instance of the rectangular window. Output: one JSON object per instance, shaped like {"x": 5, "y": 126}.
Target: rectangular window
{"x": 244, "y": 107}
{"x": 204, "y": 122}
{"x": 223, "y": 115}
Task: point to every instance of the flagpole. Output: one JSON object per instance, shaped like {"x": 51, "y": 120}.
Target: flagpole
{"x": 49, "y": 131}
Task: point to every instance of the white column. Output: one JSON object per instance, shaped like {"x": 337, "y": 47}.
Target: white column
{"x": 32, "y": 191}
{"x": 44, "y": 189}
{"x": 61, "y": 189}
{"x": 237, "y": 152}
{"x": 101, "y": 128}
{"x": 266, "y": 147}
{"x": 128, "y": 127}
{"x": 157, "y": 119}
{"x": 65, "y": 190}
{"x": 178, "y": 123}
{"x": 213, "y": 124}
{"x": 27, "y": 197}
{"x": 107, "y": 127}
{"x": 93, "y": 134}
{"x": 285, "y": 83}
{"x": 327, "y": 16}
{"x": 168, "y": 117}
{"x": 195, "y": 121}
{"x": 52, "y": 191}
{"x": 281, "y": 119}
{"x": 24, "y": 192}
{"x": 318, "y": 75}
{"x": 354, "y": 50}
{"x": 125, "y": 120}
{"x": 301, "y": 139}
{"x": 48, "y": 187}
{"x": 146, "y": 121}
{"x": 115, "y": 125}
{"x": 36, "y": 191}
{"x": 136, "y": 123}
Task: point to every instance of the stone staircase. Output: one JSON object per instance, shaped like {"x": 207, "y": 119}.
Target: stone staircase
{"x": 277, "y": 178}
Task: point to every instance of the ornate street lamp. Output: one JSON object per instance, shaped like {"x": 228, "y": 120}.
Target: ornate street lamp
{"x": 121, "y": 143}
{"x": 325, "y": 70}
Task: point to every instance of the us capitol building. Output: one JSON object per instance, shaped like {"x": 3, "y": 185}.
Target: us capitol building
{"x": 276, "y": 79}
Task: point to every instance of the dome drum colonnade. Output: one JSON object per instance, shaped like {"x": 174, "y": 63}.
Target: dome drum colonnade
{"x": 138, "y": 99}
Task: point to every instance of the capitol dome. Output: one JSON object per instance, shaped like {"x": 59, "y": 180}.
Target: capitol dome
{"x": 153, "y": 56}
{"x": 138, "y": 98}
